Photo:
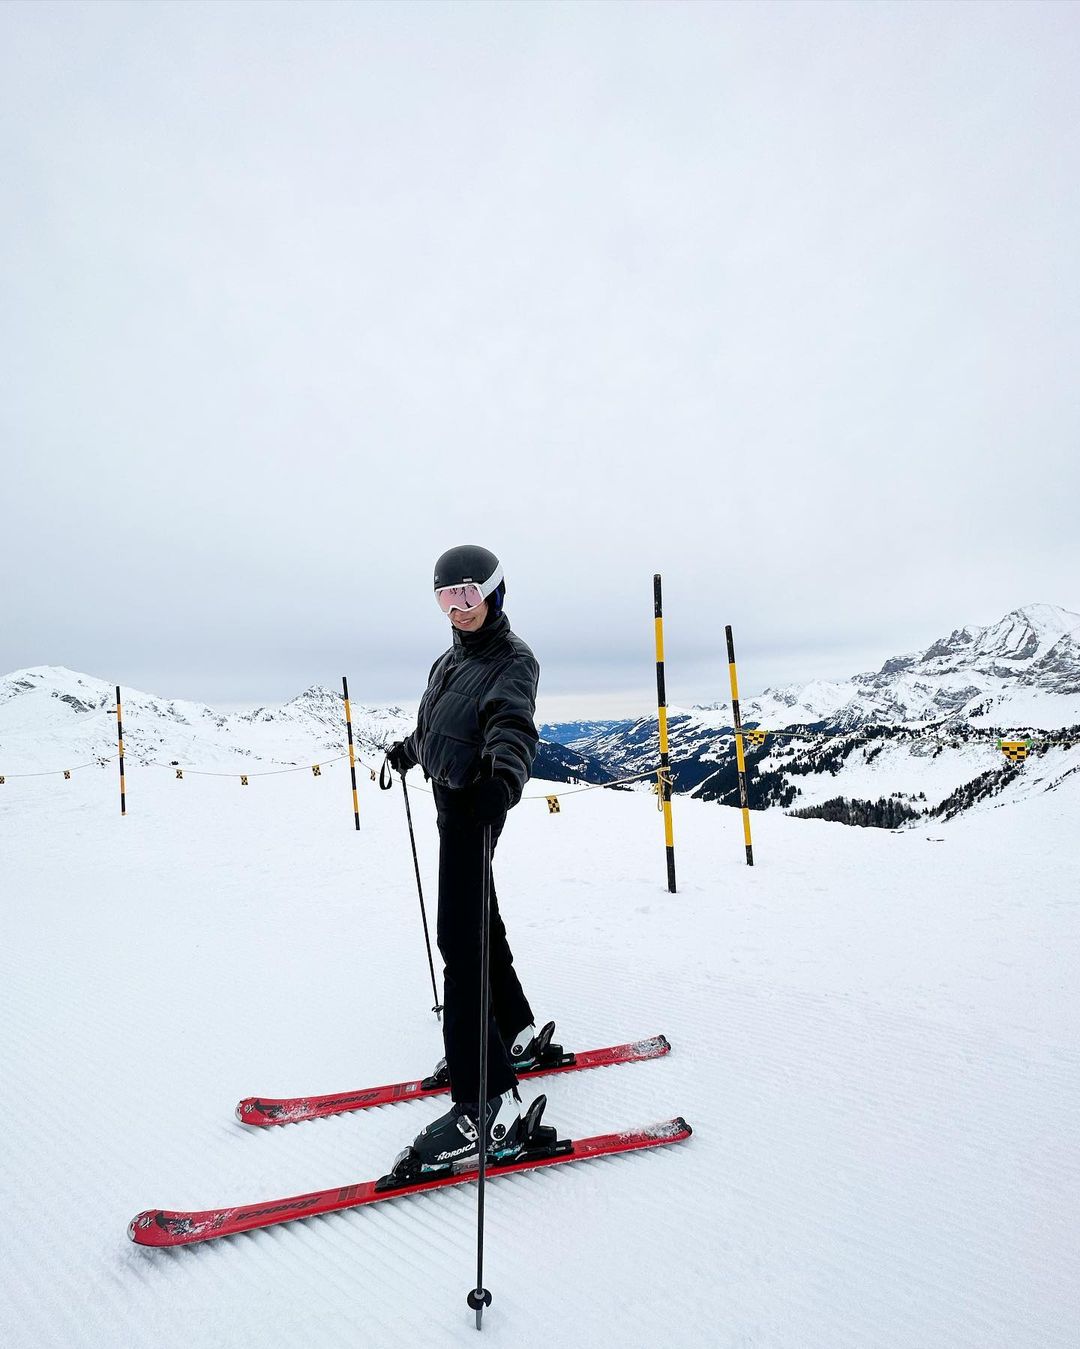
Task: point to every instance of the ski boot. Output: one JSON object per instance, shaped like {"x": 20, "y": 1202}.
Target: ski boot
{"x": 451, "y": 1144}
{"x": 454, "y": 1138}
{"x": 531, "y": 1048}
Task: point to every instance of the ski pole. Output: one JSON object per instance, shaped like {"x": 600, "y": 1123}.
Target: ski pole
{"x": 386, "y": 781}
{"x": 479, "y": 1297}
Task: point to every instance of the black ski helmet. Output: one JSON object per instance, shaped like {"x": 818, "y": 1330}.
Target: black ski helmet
{"x": 469, "y": 562}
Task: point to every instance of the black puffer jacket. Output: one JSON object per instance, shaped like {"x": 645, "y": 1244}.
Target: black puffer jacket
{"x": 480, "y": 700}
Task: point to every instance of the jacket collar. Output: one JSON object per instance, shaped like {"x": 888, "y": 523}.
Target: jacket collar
{"x": 469, "y": 645}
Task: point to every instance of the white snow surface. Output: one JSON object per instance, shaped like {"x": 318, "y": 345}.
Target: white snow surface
{"x": 875, "y": 1039}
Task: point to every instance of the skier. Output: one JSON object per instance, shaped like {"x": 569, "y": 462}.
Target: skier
{"x": 479, "y": 703}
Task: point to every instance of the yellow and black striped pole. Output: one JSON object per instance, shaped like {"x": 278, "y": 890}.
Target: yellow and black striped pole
{"x": 664, "y": 784}
{"x": 739, "y": 755}
{"x": 120, "y": 743}
{"x": 352, "y": 752}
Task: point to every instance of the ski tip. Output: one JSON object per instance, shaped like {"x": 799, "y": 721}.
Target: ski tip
{"x": 669, "y": 1130}
{"x": 158, "y": 1227}
{"x": 140, "y": 1224}
{"x": 653, "y": 1047}
{"x": 252, "y": 1110}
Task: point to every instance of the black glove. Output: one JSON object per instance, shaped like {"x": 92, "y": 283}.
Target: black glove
{"x": 397, "y": 756}
{"x": 490, "y": 800}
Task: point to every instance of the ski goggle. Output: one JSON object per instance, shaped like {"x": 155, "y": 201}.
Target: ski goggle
{"x": 459, "y": 597}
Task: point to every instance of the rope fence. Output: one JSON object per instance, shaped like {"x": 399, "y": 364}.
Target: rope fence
{"x": 102, "y": 761}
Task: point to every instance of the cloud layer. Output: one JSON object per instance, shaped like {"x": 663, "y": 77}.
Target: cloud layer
{"x": 778, "y": 300}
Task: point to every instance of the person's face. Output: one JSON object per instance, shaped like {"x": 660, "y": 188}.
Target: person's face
{"x": 469, "y": 620}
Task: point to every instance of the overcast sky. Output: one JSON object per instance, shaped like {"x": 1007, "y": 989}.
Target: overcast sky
{"x": 779, "y": 300}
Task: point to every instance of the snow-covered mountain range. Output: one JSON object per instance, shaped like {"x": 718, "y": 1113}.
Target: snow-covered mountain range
{"x": 50, "y": 711}
{"x": 919, "y": 735}
{"x": 52, "y": 718}
{"x": 1024, "y": 669}
{"x": 922, "y": 730}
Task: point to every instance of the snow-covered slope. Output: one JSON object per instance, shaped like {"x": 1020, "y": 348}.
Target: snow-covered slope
{"x": 875, "y": 1039}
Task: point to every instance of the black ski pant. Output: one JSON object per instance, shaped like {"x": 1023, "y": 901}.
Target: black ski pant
{"x": 461, "y": 871}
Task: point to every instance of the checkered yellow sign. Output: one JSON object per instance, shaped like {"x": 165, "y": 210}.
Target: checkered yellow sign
{"x": 1014, "y": 750}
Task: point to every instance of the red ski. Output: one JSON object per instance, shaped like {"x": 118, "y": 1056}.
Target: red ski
{"x": 263, "y": 1110}
{"x": 157, "y": 1227}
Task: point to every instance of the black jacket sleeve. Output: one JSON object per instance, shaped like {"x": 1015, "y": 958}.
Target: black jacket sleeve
{"x": 411, "y": 742}
{"x": 507, "y": 726}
